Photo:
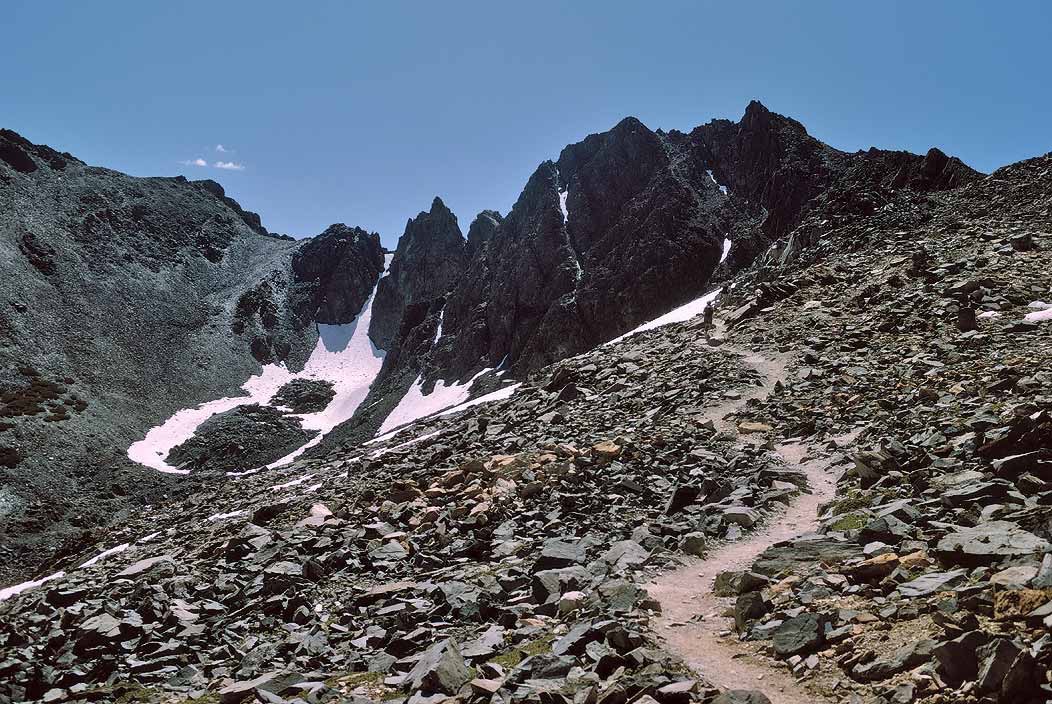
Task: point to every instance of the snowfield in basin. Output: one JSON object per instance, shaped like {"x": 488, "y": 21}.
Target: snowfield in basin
{"x": 152, "y": 451}
{"x": 343, "y": 355}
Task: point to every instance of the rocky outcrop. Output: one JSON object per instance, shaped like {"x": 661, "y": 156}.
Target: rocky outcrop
{"x": 429, "y": 260}
{"x": 304, "y": 395}
{"x": 408, "y": 310}
{"x": 485, "y": 225}
{"x": 625, "y": 225}
{"x": 771, "y": 161}
{"x": 20, "y": 154}
{"x": 251, "y": 219}
{"x": 334, "y": 273}
{"x": 240, "y": 439}
{"x": 527, "y": 267}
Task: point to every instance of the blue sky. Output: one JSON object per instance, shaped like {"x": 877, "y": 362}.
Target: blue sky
{"x": 362, "y": 112}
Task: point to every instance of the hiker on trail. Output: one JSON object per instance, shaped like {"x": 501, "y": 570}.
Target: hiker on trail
{"x": 708, "y": 317}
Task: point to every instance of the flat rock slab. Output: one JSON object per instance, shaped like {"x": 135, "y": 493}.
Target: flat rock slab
{"x": 988, "y": 542}
{"x": 801, "y": 555}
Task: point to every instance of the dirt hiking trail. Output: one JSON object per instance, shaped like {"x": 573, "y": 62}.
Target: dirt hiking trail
{"x": 691, "y": 623}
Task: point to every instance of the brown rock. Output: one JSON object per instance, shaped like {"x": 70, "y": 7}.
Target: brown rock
{"x": 873, "y": 569}
{"x": 606, "y": 451}
{"x": 1017, "y": 603}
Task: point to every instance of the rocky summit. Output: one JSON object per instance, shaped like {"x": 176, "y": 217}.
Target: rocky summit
{"x": 524, "y": 465}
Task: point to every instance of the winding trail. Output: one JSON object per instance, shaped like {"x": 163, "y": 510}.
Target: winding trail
{"x": 691, "y": 623}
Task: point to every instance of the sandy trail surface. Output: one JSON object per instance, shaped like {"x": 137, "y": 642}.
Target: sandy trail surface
{"x": 691, "y": 624}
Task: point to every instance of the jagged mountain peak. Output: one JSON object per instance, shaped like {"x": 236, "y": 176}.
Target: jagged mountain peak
{"x": 429, "y": 259}
{"x": 438, "y": 205}
{"x": 481, "y": 230}
{"x": 758, "y": 116}
{"x": 628, "y": 125}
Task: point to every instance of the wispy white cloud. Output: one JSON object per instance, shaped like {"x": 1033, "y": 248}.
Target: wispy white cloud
{"x": 194, "y": 162}
{"x": 223, "y": 150}
{"x": 229, "y": 165}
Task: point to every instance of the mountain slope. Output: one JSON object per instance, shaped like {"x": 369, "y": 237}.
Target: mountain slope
{"x": 502, "y": 551}
{"x": 216, "y": 315}
{"x": 126, "y": 300}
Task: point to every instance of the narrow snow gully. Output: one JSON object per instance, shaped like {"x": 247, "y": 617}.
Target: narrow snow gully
{"x": 691, "y": 623}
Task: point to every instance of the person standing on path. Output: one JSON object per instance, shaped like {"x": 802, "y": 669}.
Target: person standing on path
{"x": 708, "y": 313}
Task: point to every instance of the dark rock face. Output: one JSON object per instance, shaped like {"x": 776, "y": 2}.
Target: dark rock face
{"x": 334, "y": 273}
{"x": 240, "y": 439}
{"x": 251, "y": 219}
{"x": 528, "y": 266}
{"x": 408, "y": 310}
{"x": 20, "y": 154}
{"x": 770, "y": 160}
{"x": 629, "y": 223}
{"x": 626, "y": 225}
{"x": 429, "y": 260}
{"x": 550, "y": 285}
{"x": 483, "y": 228}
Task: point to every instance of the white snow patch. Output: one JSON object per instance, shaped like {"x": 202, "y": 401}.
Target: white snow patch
{"x": 294, "y": 482}
{"x": 989, "y": 314}
{"x": 1039, "y": 316}
{"x": 224, "y": 516}
{"x": 497, "y": 395}
{"x": 438, "y": 332}
{"x": 383, "y": 451}
{"x": 578, "y": 270}
{"x": 148, "y": 538}
{"x": 343, "y": 355}
{"x": 152, "y": 451}
{"x": 106, "y": 553}
{"x": 726, "y": 249}
{"x": 8, "y": 592}
{"x": 416, "y": 404}
{"x": 1040, "y": 312}
{"x": 677, "y": 315}
{"x": 723, "y": 189}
